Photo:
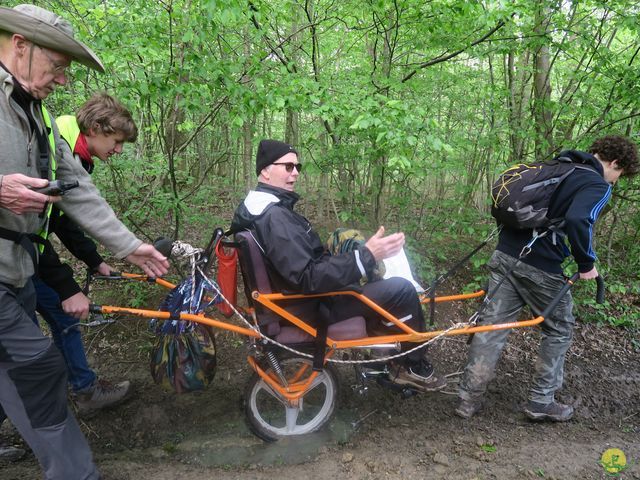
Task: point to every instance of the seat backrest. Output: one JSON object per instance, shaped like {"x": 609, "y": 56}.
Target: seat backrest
{"x": 252, "y": 263}
{"x": 255, "y": 277}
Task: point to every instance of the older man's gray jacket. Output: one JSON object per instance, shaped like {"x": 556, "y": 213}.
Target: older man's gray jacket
{"x": 19, "y": 153}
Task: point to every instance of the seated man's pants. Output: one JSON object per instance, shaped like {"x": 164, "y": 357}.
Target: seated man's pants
{"x": 397, "y": 296}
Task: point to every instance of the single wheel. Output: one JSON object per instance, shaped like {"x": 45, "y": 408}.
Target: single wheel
{"x": 270, "y": 416}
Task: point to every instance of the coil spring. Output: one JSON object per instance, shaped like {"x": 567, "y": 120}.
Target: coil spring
{"x": 273, "y": 360}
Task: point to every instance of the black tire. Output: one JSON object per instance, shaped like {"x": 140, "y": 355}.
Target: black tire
{"x": 266, "y": 412}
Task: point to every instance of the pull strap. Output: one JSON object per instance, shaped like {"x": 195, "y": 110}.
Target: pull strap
{"x": 26, "y": 240}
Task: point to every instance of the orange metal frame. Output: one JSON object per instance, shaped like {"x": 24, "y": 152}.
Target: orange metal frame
{"x": 296, "y": 387}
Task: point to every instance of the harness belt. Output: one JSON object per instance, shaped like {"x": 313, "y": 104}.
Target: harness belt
{"x": 320, "y": 346}
{"x": 26, "y": 240}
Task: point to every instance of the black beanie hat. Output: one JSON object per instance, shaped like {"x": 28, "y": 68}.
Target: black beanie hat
{"x": 269, "y": 151}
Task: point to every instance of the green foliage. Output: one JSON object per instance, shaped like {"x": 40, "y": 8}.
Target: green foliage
{"x": 170, "y": 448}
{"x": 620, "y": 306}
{"x": 488, "y": 448}
{"x": 403, "y": 112}
{"x": 136, "y": 294}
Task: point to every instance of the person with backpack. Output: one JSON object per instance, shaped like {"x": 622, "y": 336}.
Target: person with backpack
{"x": 535, "y": 278}
{"x": 99, "y": 129}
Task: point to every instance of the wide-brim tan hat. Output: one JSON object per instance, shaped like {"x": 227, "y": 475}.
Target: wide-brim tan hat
{"x": 46, "y": 29}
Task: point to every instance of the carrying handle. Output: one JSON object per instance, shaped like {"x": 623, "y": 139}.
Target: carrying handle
{"x": 95, "y": 308}
{"x": 554, "y": 303}
{"x": 218, "y": 233}
{"x": 600, "y": 289}
{"x": 164, "y": 246}
{"x": 561, "y": 293}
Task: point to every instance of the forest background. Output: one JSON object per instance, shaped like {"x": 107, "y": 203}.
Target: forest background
{"x": 404, "y": 112}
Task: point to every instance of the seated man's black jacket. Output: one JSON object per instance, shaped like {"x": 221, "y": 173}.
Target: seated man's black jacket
{"x": 297, "y": 258}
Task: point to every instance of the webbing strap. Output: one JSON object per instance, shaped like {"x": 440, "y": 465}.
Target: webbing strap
{"x": 46, "y": 145}
{"x": 26, "y": 240}
{"x": 46, "y": 162}
{"x": 320, "y": 347}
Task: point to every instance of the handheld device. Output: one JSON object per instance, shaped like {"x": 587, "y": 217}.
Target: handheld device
{"x": 57, "y": 187}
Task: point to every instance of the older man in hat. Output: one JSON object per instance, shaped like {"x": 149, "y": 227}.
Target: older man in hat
{"x": 36, "y": 48}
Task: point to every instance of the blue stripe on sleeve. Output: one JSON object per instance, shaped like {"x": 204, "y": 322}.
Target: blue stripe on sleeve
{"x": 593, "y": 216}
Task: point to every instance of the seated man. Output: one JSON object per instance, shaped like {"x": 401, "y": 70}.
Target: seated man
{"x": 99, "y": 129}
{"x": 297, "y": 261}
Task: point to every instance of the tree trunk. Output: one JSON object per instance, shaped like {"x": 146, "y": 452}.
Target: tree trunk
{"x": 542, "y": 113}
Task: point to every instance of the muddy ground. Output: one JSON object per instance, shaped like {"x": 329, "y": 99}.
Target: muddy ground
{"x": 160, "y": 435}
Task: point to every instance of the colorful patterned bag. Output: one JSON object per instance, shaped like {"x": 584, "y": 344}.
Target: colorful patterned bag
{"x": 184, "y": 355}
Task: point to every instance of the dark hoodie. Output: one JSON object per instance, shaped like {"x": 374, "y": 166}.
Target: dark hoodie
{"x": 52, "y": 270}
{"x": 297, "y": 260}
{"x": 579, "y": 200}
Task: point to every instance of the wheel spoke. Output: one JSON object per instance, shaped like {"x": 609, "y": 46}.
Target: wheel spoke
{"x": 319, "y": 380}
{"x": 267, "y": 388}
{"x": 292, "y": 418}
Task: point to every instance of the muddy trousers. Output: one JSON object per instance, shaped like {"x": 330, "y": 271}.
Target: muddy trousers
{"x": 33, "y": 391}
{"x": 530, "y": 286}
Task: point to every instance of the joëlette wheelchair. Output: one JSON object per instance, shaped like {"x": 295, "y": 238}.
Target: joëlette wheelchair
{"x": 294, "y": 388}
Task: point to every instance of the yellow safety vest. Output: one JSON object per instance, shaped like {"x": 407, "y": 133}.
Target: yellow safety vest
{"x": 44, "y": 233}
{"x": 69, "y": 129}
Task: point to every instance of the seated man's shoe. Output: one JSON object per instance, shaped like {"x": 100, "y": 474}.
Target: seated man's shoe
{"x": 418, "y": 377}
{"x": 554, "y": 411}
{"x": 102, "y": 394}
{"x": 10, "y": 454}
{"x": 468, "y": 408}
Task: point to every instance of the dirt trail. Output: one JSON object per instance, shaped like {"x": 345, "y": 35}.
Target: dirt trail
{"x": 159, "y": 435}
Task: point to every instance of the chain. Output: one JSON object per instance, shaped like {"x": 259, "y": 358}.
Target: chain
{"x": 182, "y": 249}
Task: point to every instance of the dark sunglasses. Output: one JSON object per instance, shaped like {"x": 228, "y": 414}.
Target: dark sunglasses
{"x": 289, "y": 166}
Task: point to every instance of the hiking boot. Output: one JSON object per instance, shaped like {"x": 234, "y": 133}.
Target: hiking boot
{"x": 418, "y": 377}
{"x": 468, "y": 408}
{"x": 554, "y": 411}
{"x": 102, "y": 394}
{"x": 10, "y": 454}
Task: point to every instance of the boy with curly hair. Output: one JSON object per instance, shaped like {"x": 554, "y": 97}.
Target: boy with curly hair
{"x": 99, "y": 129}
{"x": 537, "y": 278}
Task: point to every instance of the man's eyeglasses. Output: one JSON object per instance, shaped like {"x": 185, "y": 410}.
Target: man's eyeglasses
{"x": 58, "y": 68}
{"x": 289, "y": 166}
